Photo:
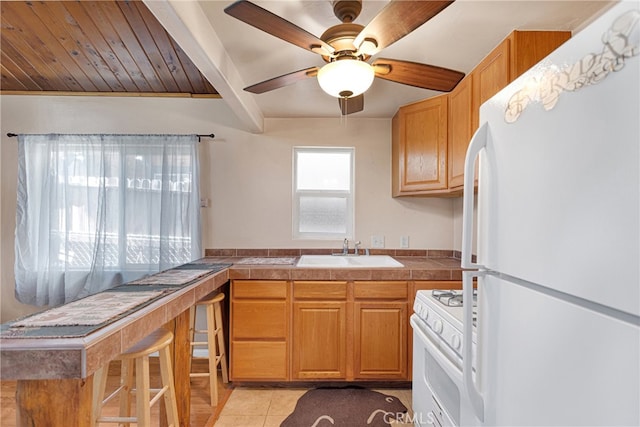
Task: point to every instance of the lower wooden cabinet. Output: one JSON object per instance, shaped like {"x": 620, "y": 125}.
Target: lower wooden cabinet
{"x": 319, "y": 344}
{"x": 323, "y": 330}
{"x": 259, "y": 330}
{"x": 319, "y": 340}
{"x": 380, "y": 329}
{"x": 380, "y": 340}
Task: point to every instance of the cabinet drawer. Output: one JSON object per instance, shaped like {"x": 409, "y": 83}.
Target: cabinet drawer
{"x": 380, "y": 290}
{"x": 259, "y": 319}
{"x": 259, "y": 289}
{"x": 259, "y": 360}
{"x": 320, "y": 290}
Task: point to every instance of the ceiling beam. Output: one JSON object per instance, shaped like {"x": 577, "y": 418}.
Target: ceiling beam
{"x": 187, "y": 23}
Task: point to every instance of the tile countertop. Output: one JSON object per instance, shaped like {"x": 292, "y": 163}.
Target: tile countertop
{"x": 78, "y": 357}
{"x": 415, "y": 268}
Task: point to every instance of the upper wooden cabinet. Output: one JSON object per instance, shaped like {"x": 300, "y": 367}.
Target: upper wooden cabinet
{"x": 430, "y": 137}
{"x": 460, "y": 131}
{"x": 520, "y": 51}
{"x": 419, "y": 147}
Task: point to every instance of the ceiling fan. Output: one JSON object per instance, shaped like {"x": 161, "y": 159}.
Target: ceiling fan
{"x": 347, "y": 47}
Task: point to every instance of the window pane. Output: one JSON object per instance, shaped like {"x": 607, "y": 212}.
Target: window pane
{"x": 323, "y": 215}
{"x": 323, "y": 171}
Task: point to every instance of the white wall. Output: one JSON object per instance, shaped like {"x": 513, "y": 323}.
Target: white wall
{"x": 252, "y": 185}
{"x": 248, "y": 177}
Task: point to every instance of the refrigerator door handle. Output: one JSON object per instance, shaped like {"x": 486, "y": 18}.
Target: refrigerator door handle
{"x": 478, "y": 142}
{"x": 475, "y": 396}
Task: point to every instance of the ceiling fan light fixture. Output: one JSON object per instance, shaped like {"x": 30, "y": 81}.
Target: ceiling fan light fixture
{"x": 346, "y": 78}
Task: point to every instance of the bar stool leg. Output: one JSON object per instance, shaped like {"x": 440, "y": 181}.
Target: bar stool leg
{"x": 166, "y": 372}
{"x": 222, "y": 353}
{"x": 143, "y": 395}
{"x": 126, "y": 382}
{"x": 211, "y": 344}
{"x": 99, "y": 385}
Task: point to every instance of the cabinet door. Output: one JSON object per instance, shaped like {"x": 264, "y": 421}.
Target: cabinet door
{"x": 420, "y": 144}
{"x": 459, "y": 130}
{"x": 319, "y": 340}
{"x": 530, "y": 47}
{"x": 520, "y": 51}
{"x": 380, "y": 340}
{"x": 489, "y": 77}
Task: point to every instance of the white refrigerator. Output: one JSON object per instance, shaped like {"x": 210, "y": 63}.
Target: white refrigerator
{"x": 558, "y": 237}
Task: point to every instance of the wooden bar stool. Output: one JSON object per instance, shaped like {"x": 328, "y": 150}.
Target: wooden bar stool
{"x": 215, "y": 332}
{"x": 158, "y": 341}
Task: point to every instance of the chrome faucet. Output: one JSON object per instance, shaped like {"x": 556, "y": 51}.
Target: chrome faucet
{"x": 345, "y": 247}
{"x": 357, "y": 248}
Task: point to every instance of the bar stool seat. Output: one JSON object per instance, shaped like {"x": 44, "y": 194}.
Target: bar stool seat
{"x": 214, "y": 343}
{"x": 158, "y": 341}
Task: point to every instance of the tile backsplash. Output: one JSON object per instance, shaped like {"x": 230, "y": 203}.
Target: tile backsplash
{"x": 281, "y": 252}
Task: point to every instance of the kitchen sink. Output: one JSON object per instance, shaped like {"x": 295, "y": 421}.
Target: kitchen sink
{"x": 347, "y": 261}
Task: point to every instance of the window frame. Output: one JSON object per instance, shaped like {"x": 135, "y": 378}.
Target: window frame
{"x": 349, "y": 195}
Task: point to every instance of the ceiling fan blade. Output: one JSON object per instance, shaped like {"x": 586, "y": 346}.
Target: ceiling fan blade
{"x": 270, "y": 23}
{"x": 396, "y": 20}
{"x": 281, "y": 81}
{"x": 351, "y": 105}
{"x": 416, "y": 74}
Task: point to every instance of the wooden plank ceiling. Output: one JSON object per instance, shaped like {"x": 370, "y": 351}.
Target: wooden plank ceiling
{"x": 92, "y": 47}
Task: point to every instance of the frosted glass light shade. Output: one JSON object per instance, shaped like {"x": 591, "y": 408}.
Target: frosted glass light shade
{"x": 346, "y": 78}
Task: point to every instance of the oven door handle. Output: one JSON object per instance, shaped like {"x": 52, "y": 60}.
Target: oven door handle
{"x": 475, "y": 396}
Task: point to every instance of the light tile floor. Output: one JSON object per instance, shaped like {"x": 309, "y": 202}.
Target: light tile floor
{"x": 257, "y": 407}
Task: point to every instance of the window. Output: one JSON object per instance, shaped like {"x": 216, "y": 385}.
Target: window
{"x": 323, "y": 193}
{"x": 95, "y": 211}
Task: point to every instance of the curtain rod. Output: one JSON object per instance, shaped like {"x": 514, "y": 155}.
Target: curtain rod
{"x": 12, "y": 135}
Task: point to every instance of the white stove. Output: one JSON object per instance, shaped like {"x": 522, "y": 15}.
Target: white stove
{"x": 442, "y": 311}
{"x": 439, "y": 398}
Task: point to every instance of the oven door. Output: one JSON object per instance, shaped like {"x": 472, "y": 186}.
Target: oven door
{"x": 438, "y": 392}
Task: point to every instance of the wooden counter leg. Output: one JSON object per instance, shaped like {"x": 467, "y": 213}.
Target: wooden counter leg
{"x": 54, "y": 403}
{"x": 181, "y": 367}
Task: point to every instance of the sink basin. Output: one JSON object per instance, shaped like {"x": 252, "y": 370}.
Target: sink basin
{"x": 347, "y": 261}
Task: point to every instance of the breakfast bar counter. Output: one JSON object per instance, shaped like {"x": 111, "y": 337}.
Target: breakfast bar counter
{"x": 55, "y": 373}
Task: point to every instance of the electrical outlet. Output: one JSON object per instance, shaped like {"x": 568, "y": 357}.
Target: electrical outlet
{"x": 377, "y": 242}
{"x": 404, "y": 242}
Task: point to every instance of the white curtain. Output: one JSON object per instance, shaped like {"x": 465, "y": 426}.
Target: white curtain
{"x": 95, "y": 211}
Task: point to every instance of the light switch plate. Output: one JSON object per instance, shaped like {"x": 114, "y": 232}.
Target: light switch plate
{"x": 404, "y": 242}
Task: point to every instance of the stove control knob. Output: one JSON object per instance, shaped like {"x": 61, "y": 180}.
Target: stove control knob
{"x": 417, "y": 307}
{"x": 425, "y": 313}
{"x": 455, "y": 342}
{"x": 437, "y": 326}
